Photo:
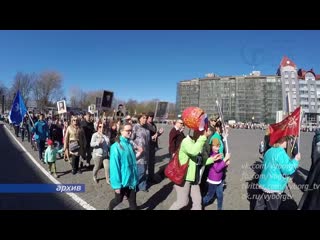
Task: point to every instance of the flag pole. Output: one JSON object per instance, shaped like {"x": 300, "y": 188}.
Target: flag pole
{"x": 299, "y": 128}
{"x": 30, "y": 118}
{"x": 223, "y": 125}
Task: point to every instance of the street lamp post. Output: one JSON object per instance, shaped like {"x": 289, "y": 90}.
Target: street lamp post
{"x": 231, "y": 105}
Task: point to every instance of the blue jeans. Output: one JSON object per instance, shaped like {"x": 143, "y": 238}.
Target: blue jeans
{"x": 142, "y": 177}
{"x": 212, "y": 190}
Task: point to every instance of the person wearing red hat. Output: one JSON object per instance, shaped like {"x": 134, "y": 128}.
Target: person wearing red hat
{"x": 50, "y": 157}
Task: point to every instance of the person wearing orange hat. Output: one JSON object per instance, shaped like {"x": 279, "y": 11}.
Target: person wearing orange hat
{"x": 189, "y": 151}
{"x": 50, "y": 157}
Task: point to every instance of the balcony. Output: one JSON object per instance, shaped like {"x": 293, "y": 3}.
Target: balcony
{"x": 301, "y": 88}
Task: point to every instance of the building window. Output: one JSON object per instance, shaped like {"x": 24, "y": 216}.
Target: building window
{"x": 286, "y": 75}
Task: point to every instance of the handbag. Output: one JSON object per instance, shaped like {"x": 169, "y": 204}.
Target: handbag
{"x": 74, "y": 146}
{"x": 175, "y": 171}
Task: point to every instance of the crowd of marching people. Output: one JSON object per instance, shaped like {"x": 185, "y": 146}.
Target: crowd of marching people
{"x": 127, "y": 153}
{"x": 84, "y": 141}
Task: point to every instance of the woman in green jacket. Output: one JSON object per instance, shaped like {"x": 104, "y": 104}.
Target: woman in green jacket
{"x": 190, "y": 148}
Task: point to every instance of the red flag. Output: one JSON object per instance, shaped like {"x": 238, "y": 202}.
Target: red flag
{"x": 289, "y": 126}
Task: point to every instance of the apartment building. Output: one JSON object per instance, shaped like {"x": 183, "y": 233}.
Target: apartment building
{"x": 300, "y": 87}
{"x": 254, "y": 97}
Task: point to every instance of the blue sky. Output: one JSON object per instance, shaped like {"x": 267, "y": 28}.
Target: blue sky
{"x": 144, "y": 65}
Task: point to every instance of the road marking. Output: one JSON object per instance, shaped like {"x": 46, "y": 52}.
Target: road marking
{"x": 74, "y": 196}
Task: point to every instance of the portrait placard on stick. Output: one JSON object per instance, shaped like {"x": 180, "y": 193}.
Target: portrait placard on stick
{"x": 161, "y": 110}
{"x": 62, "y": 107}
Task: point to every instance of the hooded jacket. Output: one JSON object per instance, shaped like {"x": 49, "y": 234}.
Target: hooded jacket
{"x": 123, "y": 166}
{"x": 310, "y": 200}
{"x": 315, "y": 151}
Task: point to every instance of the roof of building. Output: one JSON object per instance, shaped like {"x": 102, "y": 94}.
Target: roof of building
{"x": 302, "y": 73}
{"x": 287, "y": 62}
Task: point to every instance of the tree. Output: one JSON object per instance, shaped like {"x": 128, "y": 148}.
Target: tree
{"x": 92, "y": 95}
{"x": 47, "y": 89}
{"x": 78, "y": 98}
{"x": 23, "y": 82}
{"x": 3, "y": 92}
{"x": 131, "y": 106}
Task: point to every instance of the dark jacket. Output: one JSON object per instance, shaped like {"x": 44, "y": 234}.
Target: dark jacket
{"x": 311, "y": 198}
{"x": 88, "y": 129}
{"x": 266, "y": 143}
{"x": 112, "y": 135}
{"x": 175, "y": 139}
{"x": 315, "y": 151}
{"x": 153, "y": 130}
{"x": 315, "y": 155}
{"x": 55, "y": 133}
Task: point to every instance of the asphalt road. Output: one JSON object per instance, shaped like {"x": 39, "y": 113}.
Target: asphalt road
{"x": 238, "y": 192}
{"x": 17, "y": 168}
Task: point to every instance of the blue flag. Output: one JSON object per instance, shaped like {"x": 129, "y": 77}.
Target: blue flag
{"x": 18, "y": 109}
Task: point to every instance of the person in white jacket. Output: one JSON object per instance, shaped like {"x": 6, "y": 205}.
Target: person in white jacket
{"x": 100, "y": 144}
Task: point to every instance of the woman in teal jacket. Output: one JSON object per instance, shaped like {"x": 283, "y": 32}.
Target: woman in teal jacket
{"x": 277, "y": 166}
{"x": 123, "y": 169}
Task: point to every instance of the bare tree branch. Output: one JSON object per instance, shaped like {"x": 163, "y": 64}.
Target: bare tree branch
{"x": 47, "y": 89}
{"x": 23, "y": 82}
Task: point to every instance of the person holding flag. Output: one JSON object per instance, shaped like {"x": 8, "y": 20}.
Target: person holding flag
{"x": 277, "y": 165}
{"x": 18, "y": 110}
